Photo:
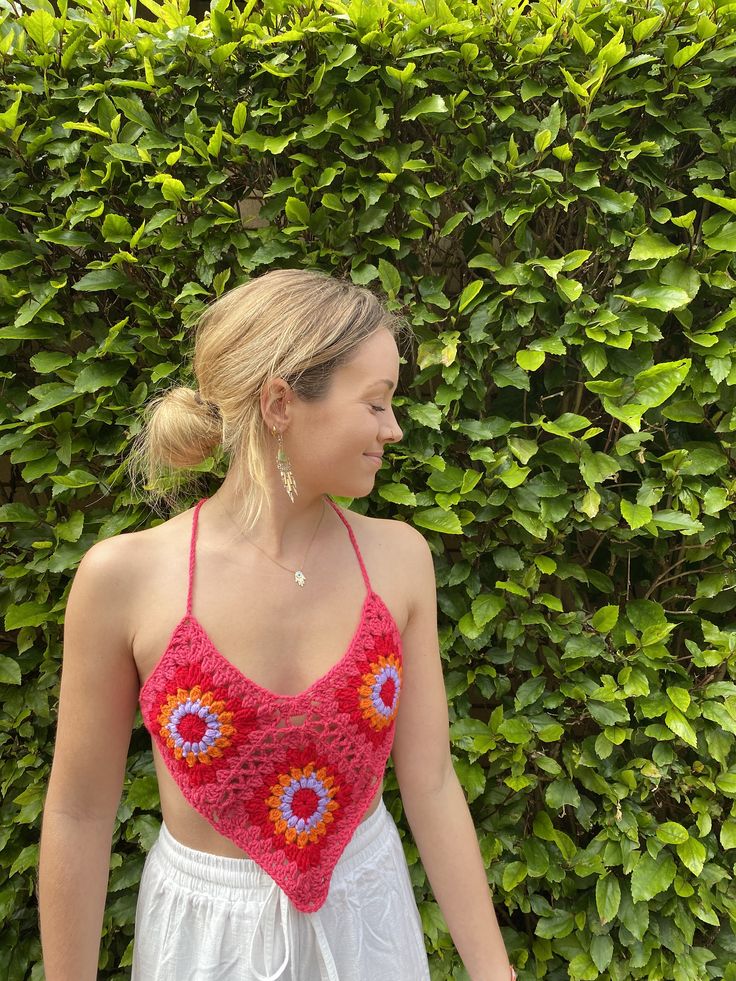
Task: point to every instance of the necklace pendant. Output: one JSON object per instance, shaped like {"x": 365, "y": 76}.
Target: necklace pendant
{"x": 299, "y": 577}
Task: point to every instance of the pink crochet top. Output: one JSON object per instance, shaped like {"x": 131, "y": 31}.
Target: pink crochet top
{"x": 290, "y": 795}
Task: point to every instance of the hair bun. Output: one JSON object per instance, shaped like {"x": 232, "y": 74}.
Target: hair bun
{"x": 214, "y": 409}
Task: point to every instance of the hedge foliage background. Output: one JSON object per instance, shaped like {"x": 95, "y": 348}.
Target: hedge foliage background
{"x": 547, "y": 191}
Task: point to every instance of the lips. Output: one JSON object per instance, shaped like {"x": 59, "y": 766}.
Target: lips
{"x": 376, "y": 456}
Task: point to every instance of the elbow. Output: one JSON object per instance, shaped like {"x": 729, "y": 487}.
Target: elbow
{"x": 426, "y": 781}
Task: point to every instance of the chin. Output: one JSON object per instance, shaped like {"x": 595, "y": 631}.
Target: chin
{"x": 352, "y": 491}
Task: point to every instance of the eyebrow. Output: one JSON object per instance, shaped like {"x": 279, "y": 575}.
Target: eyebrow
{"x": 383, "y": 381}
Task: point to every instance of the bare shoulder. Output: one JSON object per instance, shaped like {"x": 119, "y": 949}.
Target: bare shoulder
{"x": 406, "y": 556}
{"x": 118, "y": 566}
{"x": 417, "y": 565}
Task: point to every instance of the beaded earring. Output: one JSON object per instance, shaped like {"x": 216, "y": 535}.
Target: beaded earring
{"x": 282, "y": 462}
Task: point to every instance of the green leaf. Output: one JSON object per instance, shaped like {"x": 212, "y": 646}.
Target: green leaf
{"x": 143, "y": 793}
{"x": 542, "y": 140}
{"x": 687, "y": 54}
{"x": 726, "y": 783}
{"x": 390, "y": 277}
{"x": 116, "y": 228}
{"x": 297, "y": 211}
{"x": 560, "y": 793}
{"x": 657, "y": 297}
{"x": 569, "y": 289}
{"x": 635, "y": 515}
{"x": 585, "y": 41}
{"x": 15, "y": 258}
{"x": 555, "y": 927}
{"x": 41, "y": 28}
{"x": 28, "y": 857}
{"x": 516, "y": 731}
{"x": 530, "y": 360}
{"x": 364, "y": 274}
{"x": 133, "y": 109}
{"x": 513, "y": 875}
{"x": 29, "y": 614}
{"x": 9, "y": 118}
{"x": 9, "y": 670}
{"x": 469, "y": 294}
{"x": 472, "y": 778}
{"x": 605, "y": 619}
{"x": 610, "y": 201}
{"x": 644, "y": 28}
{"x": 672, "y": 833}
{"x": 614, "y": 51}
{"x": 65, "y": 236}
{"x": 677, "y": 723}
{"x": 124, "y": 151}
{"x": 728, "y": 834}
{"x": 529, "y": 692}
{"x": 99, "y": 374}
{"x": 679, "y": 697}
{"x": 601, "y": 954}
{"x": 681, "y": 275}
{"x": 652, "y": 876}
{"x": 692, "y": 854}
{"x": 432, "y": 103}
{"x": 706, "y": 192}
{"x": 240, "y": 115}
{"x": 486, "y": 607}
{"x": 652, "y": 245}
{"x": 172, "y": 188}
{"x": 437, "y": 519}
{"x": 607, "y": 897}
{"x": 397, "y": 494}
{"x": 452, "y": 223}
{"x": 426, "y": 414}
{"x": 654, "y": 385}
{"x": 18, "y": 512}
{"x": 102, "y": 279}
{"x": 724, "y": 240}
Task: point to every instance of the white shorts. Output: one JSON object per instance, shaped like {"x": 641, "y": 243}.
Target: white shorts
{"x": 203, "y": 917}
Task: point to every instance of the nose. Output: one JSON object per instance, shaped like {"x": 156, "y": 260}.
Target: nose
{"x": 396, "y": 432}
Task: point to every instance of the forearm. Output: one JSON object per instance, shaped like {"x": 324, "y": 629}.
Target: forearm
{"x": 442, "y": 827}
{"x": 73, "y": 872}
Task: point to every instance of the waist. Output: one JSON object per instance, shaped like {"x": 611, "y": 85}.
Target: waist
{"x": 188, "y": 866}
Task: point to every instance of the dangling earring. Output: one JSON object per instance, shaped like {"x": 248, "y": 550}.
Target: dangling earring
{"x": 282, "y": 462}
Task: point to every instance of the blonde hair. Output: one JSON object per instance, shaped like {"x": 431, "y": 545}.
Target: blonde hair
{"x": 298, "y": 324}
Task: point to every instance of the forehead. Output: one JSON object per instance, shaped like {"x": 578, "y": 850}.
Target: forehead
{"x": 376, "y": 358}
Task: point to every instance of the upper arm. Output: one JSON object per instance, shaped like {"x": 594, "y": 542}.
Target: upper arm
{"x": 99, "y": 687}
{"x": 421, "y": 747}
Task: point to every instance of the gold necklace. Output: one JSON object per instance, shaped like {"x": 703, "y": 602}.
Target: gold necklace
{"x": 299, "y": 577}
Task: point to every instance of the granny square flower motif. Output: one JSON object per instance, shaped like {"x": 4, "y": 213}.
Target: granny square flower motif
{"x": 199, "y": 725}
{"x": 302, "y": 804}
{"x": 370, "y": 693}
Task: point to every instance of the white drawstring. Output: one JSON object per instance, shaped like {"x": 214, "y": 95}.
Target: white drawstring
{"x": 284, "y": 909}
{"x": 327, "y": 959}
{"x": 283, "y": 901}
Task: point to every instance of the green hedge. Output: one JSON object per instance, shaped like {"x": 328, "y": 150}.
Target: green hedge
{"x": 547, "y": 192}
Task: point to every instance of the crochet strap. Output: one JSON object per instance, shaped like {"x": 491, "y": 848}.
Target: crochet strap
{"x": 192, "y": 549}
{"x": 193, "y": 546}
{"x": 352, "y": 539}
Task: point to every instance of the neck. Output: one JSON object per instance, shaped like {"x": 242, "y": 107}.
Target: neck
{"x": 284, "y": 531}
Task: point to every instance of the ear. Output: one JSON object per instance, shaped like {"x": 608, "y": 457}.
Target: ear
{"x": 275, "y": 398}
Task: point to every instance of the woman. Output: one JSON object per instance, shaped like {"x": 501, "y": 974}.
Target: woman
{"x": 271, "y": 713}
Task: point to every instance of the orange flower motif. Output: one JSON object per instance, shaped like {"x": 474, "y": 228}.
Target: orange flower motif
{"x": 195, "y": 725}
{"x": 301, "y": 804}
{"x": 379, "y": 693}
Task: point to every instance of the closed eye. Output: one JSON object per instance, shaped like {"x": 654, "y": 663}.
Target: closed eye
{"x": 378, "y": 408}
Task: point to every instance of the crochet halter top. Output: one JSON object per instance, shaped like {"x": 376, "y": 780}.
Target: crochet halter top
{"x": 290, "y": 795}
